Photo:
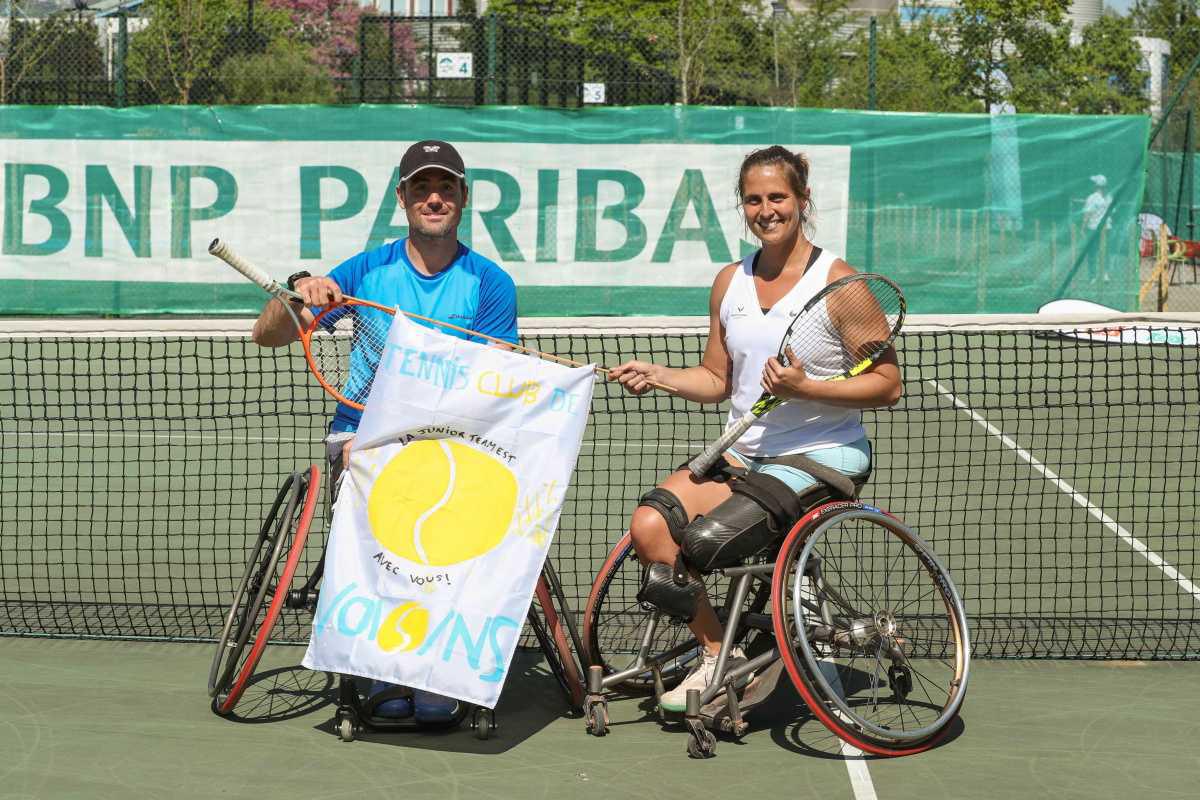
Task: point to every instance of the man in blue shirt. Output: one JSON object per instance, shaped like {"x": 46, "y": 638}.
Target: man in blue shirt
{"x": 429, "y": 273}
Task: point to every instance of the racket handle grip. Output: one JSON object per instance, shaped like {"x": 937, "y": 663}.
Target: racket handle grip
{"x": 703, "y": 462}
{"x": 252, "y": 273}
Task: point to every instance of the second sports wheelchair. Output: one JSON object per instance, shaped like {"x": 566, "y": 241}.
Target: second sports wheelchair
{"x": 271, "y": 583}
{"x": 851, "y": 604}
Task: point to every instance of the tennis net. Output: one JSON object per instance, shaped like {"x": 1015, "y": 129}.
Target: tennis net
{"x": 1054, "y": 473}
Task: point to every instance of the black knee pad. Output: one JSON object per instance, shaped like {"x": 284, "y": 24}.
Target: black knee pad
{"x": 759, "y": 512}
{"x": 670, "y": 507}
{"x": 663, "y": 589}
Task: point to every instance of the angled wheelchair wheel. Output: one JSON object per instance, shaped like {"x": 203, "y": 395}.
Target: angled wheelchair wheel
{"x": 615, "y": 623}
{"x": 551, "y": 635}
{"x": 871, "y": 629}
{"x": 270, "y": 568}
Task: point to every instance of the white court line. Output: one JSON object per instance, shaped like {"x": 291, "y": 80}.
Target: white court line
{"x": 1138, "y": 546}
{"x": 852, "y": 757}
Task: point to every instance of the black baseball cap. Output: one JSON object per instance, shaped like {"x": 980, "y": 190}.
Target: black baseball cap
{"x": 431, "y": 153}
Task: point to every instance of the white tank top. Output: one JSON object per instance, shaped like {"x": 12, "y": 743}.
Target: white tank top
{"x": 752, "y": 337}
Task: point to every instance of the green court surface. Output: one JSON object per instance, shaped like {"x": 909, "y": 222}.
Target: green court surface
{"x": 127, "y": 720}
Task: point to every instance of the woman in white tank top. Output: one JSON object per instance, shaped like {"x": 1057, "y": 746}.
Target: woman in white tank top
{"x": 750, "y": 307}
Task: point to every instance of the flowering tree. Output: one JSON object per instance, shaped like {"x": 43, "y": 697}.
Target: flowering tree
{"x": 335, "y": 31}
{"x": 329, "y": 26}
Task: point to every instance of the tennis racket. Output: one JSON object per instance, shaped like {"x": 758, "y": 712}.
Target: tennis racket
{"x": 344, "y": 343}
{"x": 854, "y": 319}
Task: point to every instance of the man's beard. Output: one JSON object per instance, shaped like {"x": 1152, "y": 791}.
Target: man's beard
{"x": 445, "y": 230}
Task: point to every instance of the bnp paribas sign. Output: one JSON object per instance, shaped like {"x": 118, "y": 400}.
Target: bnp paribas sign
{"x": 588, "y": 214}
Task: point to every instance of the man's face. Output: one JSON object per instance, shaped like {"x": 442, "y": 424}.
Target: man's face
{"x": 433, "y": 201}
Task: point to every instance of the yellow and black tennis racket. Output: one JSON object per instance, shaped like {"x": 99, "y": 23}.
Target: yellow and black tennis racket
{"x": 854, "y": 318}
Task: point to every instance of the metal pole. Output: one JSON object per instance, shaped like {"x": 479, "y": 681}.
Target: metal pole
{"x": 776, "y": 29}
{"x": 432, "y": 68}
{"x": 122, "y": 45}
{"x": 362, "y": 59}
{"x": 778, "y": 9}
{"x": 391, "y": 49}
{"x": 872, "y": 46}
{"x": 489, "y": 35}
{"x": 1189, "y": 166}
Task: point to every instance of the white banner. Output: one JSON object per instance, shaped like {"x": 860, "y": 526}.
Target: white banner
{"x": 446, "y": 513}
{"x": 551, "y": 214}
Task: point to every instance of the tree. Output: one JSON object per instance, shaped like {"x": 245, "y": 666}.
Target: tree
{"x": 1178, "y": 22}
{"x": 1012, "y": 52}
{"x": 914, "y": 70}
{"x": 718, "y": 50}
{"x": 330, "y": 27}
{"x": 1106, "y": 76}
{"x": 813, "y": 53}
{"x": 185, "y": 42}
{"x": 54, "y": 59}
{"x": 286, "y": 73}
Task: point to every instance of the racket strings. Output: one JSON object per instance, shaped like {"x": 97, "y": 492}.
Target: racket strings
{"x": 852, "y": 324}
{"x": 347, "y": 347}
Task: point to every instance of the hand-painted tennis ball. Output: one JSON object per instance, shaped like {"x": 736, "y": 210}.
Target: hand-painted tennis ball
{"x": 404, "y": 628}
{"x": 440, "y": 502}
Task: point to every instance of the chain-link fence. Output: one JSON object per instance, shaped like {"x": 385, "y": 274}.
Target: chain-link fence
{"x": 263, "y": 56}
{"x": 484, "y": 60}
{"x": 960, "y": 57}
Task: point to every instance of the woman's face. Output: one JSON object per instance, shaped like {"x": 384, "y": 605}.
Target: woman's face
{"x": 771, "y": 207}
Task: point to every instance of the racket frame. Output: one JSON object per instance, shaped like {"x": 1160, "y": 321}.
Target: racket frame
{"x": 701, "y": 464}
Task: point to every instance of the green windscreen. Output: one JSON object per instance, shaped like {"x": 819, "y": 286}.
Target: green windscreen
{"x": 598, "y": 212}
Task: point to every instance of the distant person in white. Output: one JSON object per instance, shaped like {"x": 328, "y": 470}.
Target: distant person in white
{"x": 1095, "y": 207}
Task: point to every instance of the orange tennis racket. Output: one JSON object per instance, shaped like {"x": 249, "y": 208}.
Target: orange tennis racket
{"x": 345, "y": 342}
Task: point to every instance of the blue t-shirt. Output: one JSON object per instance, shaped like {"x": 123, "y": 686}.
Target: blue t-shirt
{"x": 472, "y": 292}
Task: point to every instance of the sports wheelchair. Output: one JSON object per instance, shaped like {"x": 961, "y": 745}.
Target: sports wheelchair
{"x": 853, "y": 605}
{"x": 269, "y": 585}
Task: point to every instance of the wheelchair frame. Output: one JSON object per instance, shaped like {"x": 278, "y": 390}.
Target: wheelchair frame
{"x": 718, "y": 707}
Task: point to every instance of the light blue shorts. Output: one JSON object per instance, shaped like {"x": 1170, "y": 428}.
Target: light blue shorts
{"x": 848, "y": 459}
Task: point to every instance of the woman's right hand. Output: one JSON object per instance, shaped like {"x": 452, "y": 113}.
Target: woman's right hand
{"x": 637, "y": 376}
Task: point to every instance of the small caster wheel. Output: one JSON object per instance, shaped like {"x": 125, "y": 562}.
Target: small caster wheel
{"x": 596, "y": 717}
{"x": 703, "y": 745}
{"x": 483, "y": 723}
{"x": 346, "y": 729}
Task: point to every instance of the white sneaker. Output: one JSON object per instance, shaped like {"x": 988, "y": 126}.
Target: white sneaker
{"x": 700, "y": 678}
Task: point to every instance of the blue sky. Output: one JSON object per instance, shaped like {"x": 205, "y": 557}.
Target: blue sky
{"x": 1119, "y": 5}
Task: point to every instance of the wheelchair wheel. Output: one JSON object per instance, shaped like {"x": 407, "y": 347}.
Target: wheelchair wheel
{"x": 614, "y": 622}
{"x": 556, "y": 647}
{"x": 281, "y": 538}
{"x": 871, "y": 629}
